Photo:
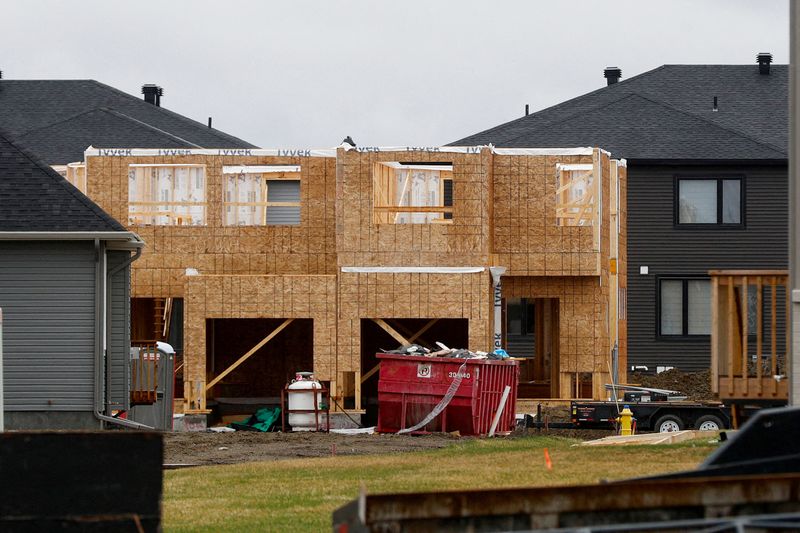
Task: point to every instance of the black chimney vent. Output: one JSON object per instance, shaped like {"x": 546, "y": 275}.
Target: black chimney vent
{"x": 152, "y": 94}
{"x": 764, "y": 59}
{"x": 612, "y": 74}
{"x": 527, "y": 110}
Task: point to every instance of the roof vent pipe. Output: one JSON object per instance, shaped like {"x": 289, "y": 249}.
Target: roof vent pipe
{"x": 715, "y": 108}
{"x": 612, "y": 75}
{"x": 209, "y": 122}
{"x": 764, "y": 59}
{"x": 152, "y": 94}
{"x": 527, "y": 110}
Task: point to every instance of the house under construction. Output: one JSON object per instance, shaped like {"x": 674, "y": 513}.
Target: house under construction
{"x": 277, "y": 261}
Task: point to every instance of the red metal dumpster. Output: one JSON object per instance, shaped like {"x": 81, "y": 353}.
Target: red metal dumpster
{"x": 410, "y": 387}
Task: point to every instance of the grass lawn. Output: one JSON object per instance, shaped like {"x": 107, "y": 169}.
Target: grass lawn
{"x": 301, "y": 494}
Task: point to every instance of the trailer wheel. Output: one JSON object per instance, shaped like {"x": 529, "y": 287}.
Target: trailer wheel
{"x": 668, "y": 424}
{"x": 709, "y": 423}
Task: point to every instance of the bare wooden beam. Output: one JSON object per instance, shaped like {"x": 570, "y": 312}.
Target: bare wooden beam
{"x": 418, "y": 336}
{"x": 246, "y": 356}
{"x": 371, "y": 373}
{"x": 391, "y": 331}
{"x": 422, "y": 331}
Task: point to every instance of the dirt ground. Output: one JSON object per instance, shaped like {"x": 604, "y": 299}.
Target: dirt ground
{"x": 695, "y": 385}
{"x": 193, "y": 448}
{"x": 246, "y": 446}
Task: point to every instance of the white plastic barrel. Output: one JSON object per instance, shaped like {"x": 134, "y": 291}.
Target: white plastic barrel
{"x": 304, "y": 401}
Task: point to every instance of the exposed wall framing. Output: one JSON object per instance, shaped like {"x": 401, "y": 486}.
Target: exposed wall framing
{"x": 504, "y": 212}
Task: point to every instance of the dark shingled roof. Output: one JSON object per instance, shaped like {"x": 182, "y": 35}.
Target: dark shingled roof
{"x": 666, "y": 113}
{"x": 34, "y": 197}
{"x": 59, "y": 119}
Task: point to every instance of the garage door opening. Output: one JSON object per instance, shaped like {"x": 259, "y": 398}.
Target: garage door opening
{"x": 375, "y": 336}
{"x": 258, "y": 379}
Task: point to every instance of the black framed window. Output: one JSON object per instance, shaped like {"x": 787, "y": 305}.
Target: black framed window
{"x": 704, "y": 201}
{"x": 684, "y": 307}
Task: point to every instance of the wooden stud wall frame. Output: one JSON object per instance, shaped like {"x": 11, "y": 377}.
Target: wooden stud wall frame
{"x": 504, "y": 212}
{"x": 393, "y": 188}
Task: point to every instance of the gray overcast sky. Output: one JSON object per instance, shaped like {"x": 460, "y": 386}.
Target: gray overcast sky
{"x": 307, "y": 73}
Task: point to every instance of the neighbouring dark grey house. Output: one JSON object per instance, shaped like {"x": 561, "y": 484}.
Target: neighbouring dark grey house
{"x": 64, "y": 294}
{"x": 707, "y": 149}
{"x": 58, "y": 119}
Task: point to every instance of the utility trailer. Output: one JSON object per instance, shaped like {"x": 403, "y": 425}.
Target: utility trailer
{"x": 658, "y": 416}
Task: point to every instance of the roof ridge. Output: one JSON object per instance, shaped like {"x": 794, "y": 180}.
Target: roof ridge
{"x": 667, "y": 106}
{"x": 172, "y": 113}
{"x": 72, "y": 117}
{"x": 64, "y": 184}
{"x": 575, "y": 115}
{"x": 720, "y": 126}
{"x": 566, "y": 102}
{"x": 146, "y": 125}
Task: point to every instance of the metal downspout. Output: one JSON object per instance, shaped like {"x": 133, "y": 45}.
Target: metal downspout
{"x": 101, "y": 318}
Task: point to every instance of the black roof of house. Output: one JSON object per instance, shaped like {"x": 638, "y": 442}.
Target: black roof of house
{"x": 34, "y": 197}
{"x": 59, "y": 119}
{"x": 666, "y": 114}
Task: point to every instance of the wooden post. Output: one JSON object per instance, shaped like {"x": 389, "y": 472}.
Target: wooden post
{"x": 759, "y": 332}
{"x": 774, "y": 332}
{"x": 716, "y": 338}
{"x": 731, "y": 333}
{"x": 745, "y": 318}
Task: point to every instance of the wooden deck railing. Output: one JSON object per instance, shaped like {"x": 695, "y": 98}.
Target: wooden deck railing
{"x": 144, "y": 373}
{"x": 749, "y": 316}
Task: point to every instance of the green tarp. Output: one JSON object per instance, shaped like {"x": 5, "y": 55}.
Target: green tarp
{"x": 262, "y": 420}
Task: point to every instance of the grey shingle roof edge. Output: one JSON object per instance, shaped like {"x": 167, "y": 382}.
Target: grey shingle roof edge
{"x": 56, "y": 207}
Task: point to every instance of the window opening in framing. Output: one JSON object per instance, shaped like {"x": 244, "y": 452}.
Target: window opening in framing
{"x": 167, "y": 195}
{"x": 576, "y": 195}
{"x": 75, "y": 173}
{"x": 266, "y": 195}
{"x": 413, "y": 193}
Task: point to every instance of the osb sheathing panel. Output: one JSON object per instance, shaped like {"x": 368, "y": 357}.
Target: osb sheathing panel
{"x": 583, "y": 327}
{"x": 527, "y": 238}
{"x": 309, "y": 248}
{"x": 362, "y": 242}
{"x": 236, "y": 296}
{"x": 388, "y": 295}
{"x": 622, "y": 272}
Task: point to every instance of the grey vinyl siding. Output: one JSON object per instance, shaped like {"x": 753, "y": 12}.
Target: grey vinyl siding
{"x": 119, "y": 333}
{"x": 283, "y": 191}
{"x": 669, "y": 251}
{"x": 47, "y": 295}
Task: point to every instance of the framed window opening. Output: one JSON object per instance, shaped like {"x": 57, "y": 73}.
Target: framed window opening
{"x": 684, "y": 307}
{"x": 576, "y": 195}
{"x": 702, "y": 201}
{"x": 167, "y": 195}
{"x": 75, "y": 173}
{"x": 412, "y": 193}
{"x": 267, "y": 195}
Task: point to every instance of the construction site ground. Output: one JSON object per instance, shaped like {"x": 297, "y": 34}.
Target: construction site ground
{"x": 299, "y": 494}
{"x": 245, "y": 446}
